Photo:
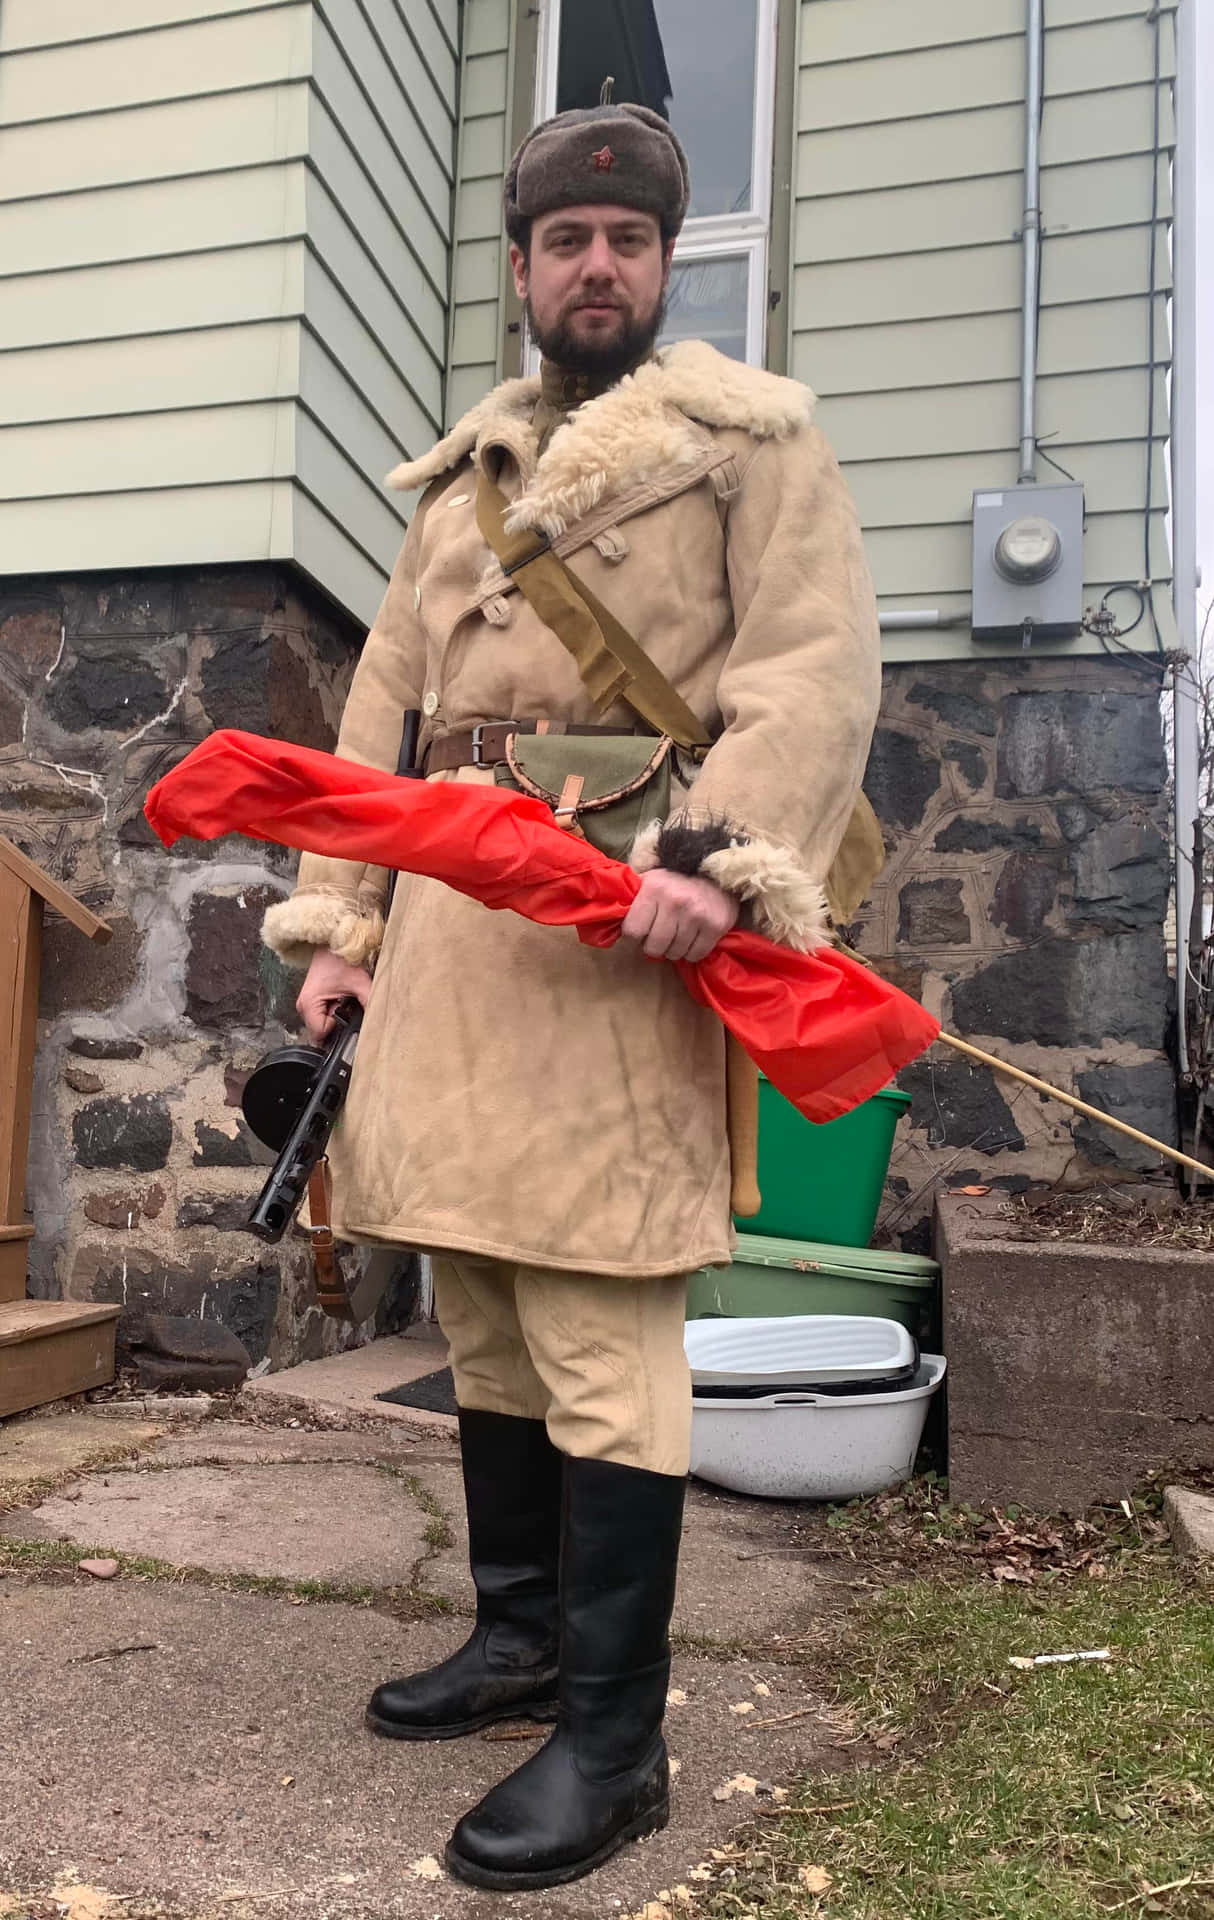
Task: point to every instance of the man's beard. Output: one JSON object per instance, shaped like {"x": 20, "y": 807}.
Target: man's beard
{"x": 564, "y": 348}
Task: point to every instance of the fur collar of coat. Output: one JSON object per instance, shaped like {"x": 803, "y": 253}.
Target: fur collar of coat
{"x": 646, "y": 428}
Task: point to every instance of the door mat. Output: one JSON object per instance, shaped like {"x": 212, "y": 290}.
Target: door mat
{"x": 434, "y": 1391}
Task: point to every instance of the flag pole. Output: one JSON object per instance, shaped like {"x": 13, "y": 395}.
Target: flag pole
{"x": 1071, "y": 1100}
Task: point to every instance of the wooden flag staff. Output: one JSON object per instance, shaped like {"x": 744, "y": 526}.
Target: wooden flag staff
{"x": 1070, "y": 1100}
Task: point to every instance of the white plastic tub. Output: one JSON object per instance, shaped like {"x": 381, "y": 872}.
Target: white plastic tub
{"x": 805, "y": 1446}
{"x": 800, "y": 1350}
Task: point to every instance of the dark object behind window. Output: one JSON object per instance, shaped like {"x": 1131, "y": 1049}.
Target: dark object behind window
{"x": 693, "y": 61}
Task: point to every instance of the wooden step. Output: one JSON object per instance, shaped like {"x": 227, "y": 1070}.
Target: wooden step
{"x": 14, "y": 1245}
{"x": 49, "y": 1348}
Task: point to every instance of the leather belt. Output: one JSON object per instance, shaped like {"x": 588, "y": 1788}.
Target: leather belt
{"x": 485, "y": 746}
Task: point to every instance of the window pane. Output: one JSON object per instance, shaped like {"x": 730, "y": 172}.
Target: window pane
{"x": 708, "y": 302}
{"x": 692, "y": 61}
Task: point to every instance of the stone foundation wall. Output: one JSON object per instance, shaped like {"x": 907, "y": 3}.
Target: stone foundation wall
{"x": 141, "y": 1169}
{"x": 1023, "y": 901}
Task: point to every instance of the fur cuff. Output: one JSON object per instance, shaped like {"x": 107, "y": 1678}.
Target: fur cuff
{"x": 644, "y": 855}
{"x": 295, "y": 928}
{"x": 785, "y": 903}
{"x": 679, "y": 844}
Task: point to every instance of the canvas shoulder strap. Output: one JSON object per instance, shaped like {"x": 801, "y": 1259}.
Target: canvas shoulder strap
{"x": 611, "y": 663}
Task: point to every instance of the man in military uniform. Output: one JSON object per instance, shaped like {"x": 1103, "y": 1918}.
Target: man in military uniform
{"x": 546, "y": 1119}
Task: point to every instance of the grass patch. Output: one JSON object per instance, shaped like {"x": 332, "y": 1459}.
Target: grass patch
{"x": 437, "y": 1532}
{"x": 61, "y": 1556}
{"x": 47, "y": 1556}
{"x": 15, "y": 1494}
{"x": 1060, "y": 1793}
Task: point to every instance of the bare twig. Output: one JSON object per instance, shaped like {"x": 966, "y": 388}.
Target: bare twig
{"x": 782, "y": 1813}
{"x": 1168, "y": 1886}
{"x": 778, "y": 1720}
{"x": 113, "y": 1653}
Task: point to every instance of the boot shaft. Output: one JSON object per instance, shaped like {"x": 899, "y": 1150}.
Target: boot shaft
{"x": 512, "y": 1492}
{"x": 621, "y": 1530}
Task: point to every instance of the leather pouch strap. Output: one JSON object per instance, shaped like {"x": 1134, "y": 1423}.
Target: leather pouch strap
{"x": 330, "y": 1287}
{"x": 612, "y": 665}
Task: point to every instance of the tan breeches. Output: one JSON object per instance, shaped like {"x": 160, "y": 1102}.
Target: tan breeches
{"x": 600, "y": 1360}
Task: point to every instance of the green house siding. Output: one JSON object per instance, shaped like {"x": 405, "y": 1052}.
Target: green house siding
{"x": 225, "y": 251}
{"x": 475, "y": 350}
{"x": 905, "y": 311}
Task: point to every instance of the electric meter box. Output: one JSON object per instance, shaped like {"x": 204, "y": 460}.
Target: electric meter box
{"x": 1028, "y": 562}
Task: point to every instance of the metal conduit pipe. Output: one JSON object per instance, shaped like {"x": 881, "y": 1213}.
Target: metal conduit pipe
{"x": 1030, "y": 233}
{"x": 905, "y": 619}
{"x": 1186, "y": 677}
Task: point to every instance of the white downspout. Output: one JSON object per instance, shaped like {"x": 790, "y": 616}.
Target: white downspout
{"x": 1034, "y": 25}
{"x": 1183, "y": 428}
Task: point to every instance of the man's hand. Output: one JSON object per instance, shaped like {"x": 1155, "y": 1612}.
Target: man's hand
{"x": 677, "y": 916}
{"x": 328, "y": 981}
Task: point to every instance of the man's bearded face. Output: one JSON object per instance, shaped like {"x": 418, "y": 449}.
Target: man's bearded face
{"x": 594, "y": 285}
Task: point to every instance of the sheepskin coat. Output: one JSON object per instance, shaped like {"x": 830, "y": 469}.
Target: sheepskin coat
{"x": 515, "y": 1093}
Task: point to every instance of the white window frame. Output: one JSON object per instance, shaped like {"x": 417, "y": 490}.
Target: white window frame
{"x": 712, "y": 236}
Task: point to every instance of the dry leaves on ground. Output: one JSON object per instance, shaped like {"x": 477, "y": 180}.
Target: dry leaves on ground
{"x": 741, "y": 1783}
{"x": 1007, "y": 1545}
{"x": 1108, "y": 1218}
{"x": 426, "y": 1868}
{"x": 814, "y": 1879}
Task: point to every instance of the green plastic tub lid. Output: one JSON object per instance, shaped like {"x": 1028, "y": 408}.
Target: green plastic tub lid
{"x": 900, "y": 1099}
{"x": 811, "y": 1256}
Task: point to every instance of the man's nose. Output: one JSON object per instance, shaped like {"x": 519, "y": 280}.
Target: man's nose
{"x": 598, "y": 261}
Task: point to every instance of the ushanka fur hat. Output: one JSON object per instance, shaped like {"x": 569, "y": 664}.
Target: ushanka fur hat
{"x": 623, "y": 156}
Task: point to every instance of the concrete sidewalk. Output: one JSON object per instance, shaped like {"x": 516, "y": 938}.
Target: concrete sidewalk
{"x": 185, "y": 1739}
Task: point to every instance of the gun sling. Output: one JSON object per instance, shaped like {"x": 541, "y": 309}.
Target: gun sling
{"x": 330, "y": 1287}
{"x": 612, "y": 664}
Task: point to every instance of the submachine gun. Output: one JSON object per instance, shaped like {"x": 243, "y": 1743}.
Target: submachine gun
{"x": 291, "y": 1100}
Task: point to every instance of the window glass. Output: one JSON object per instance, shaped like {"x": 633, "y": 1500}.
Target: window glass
{"x": 693, "y": 61}
{"x": 708, "y": 301}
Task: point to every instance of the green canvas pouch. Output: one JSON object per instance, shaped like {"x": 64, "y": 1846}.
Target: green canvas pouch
{"x": 608, "y": 789}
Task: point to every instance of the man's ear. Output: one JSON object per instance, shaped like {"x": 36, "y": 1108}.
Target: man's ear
{"x": 518, "y": 267}
{"x": 667, "y": 260}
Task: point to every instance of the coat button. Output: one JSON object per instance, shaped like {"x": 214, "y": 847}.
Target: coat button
{"x": 431, "y": 704}
{"x": 417, "y": 598}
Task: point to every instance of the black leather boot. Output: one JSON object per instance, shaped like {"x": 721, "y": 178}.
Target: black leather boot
{"x": 508, "y": 1669}
{"x": 603, "y": 1777}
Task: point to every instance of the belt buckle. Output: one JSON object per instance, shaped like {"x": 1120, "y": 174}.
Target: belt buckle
{"x": 478, "y": 745}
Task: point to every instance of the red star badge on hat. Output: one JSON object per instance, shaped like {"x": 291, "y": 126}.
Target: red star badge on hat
{"x": 604, "y": 160}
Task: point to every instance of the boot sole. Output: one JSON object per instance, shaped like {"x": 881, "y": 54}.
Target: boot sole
{"x": 475, "y": 1876}
{"x": 542, "y": 1711}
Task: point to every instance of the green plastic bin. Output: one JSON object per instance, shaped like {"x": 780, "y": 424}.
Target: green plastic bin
{"x": 772, "y": 1278}
{"x": 824, "y": 1182}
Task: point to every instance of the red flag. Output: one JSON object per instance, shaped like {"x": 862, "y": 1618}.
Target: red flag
{"x": 825, "y": 1030}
